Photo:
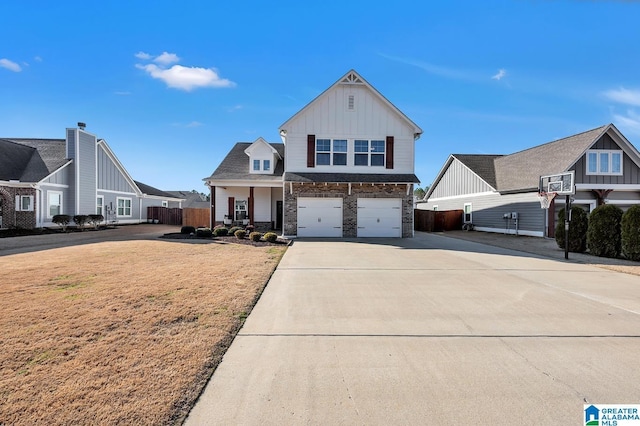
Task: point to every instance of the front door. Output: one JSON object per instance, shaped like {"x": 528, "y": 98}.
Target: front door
{"x": 278, "y": 214}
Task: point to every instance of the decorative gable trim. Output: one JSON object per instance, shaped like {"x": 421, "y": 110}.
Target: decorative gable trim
{"x": 352, "y": 78}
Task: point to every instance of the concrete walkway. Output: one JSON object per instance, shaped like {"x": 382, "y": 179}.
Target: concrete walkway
{"x": 430, "y": 330}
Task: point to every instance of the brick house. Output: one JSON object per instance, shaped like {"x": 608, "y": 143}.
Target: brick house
{"x": 345, "y": 169}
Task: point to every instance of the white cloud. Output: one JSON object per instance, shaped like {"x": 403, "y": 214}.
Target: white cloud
{"x": 10, "y": 65}
{"x": 187, "y": 78}
{"x": 143, "y": 55}
{"x": 37, "y": 59}
{"x": 194, "y": 124}
{"x": 624, "y": 96}
{"x": 629, "y": 123}
{"x": 500, "y": 75}
{"x": 166, "y": 58}
{"x": 235, "y": 108}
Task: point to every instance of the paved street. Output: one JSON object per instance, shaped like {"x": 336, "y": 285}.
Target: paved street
{"x": 429, "y": 330}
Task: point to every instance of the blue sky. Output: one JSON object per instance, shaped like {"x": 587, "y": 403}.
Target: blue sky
{"x": 171, "y": 86}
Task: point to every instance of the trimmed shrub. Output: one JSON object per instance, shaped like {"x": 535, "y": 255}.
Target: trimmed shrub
{"x": 188, "y": 230}
{"x": 62, "y": 220}
{"x": 255, "y": 236}
{"x": 270, "y": 237}
{"x": 233, "y": 229}
{"x": 603, "y": 235}
{"x": 577, "y": 230}
{"x": 204, "y": 233}
{"x": 220, "y": 232}
{"x": 80, "y": 220}
{"x": 95, "y": 220}
{"x": 240, "y": 234}
{"x": 631, "y": 233}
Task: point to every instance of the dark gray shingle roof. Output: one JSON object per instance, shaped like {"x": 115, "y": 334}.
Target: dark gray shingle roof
{"x": 236, "y": 164}
{"x": 150, "y": 190}
{"x": 192, "y": 200}
{"x": 30, "y": 160}
{"x": 350, "y": 177}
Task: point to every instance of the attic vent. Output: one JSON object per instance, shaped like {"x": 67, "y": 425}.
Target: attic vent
{"x": 352, "y": 78}
{"x": 351, "y": 102}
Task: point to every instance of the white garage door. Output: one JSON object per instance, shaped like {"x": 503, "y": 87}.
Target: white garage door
{"x": 319, "y": 217}
{"x": 379, "y": 217}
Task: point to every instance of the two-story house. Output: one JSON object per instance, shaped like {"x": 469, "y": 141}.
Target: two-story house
{"x": 345, "y": 169}
{"x": 77, "y": 175}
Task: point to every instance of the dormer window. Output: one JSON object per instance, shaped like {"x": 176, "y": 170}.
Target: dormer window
{"x": 256, "y": 165}
{"x": 266, "y": 165}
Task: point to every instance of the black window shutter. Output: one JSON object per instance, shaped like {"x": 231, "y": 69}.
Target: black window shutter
{"x": 389, "y": 152}
{"x": 311, "y": 150}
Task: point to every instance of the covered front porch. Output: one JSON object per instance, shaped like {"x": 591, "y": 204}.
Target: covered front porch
{"x": 259, "y": 206}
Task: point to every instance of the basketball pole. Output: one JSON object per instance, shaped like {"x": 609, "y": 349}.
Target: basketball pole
{"x": 567, "y": 219}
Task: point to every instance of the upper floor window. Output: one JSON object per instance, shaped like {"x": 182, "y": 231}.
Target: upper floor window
{"x": 604, "y": 162}
{"x": 331, "y": 152}
{"x": 266, "y": 165}
{"x": 256, "y": 165}
{"x": 368, "y": 153}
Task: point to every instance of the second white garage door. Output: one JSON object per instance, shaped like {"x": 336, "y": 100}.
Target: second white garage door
{"x": 379, "y": 217}
{"x": 319, "y": 217}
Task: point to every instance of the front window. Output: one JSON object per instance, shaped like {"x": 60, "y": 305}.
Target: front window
{"x": 100, "y": 205}
{"x": 266, "y": 165}
{"x": 25, "y": 203}
{"x": 368, "y": 153}
{"x": 468, "y": 213}
{"x": 124, "y": 206}
{"x": 241, "y": 209}
{"x": 165, "y": 203}
{"x": 55, "y": 203}
{"x": 601, "y": 162}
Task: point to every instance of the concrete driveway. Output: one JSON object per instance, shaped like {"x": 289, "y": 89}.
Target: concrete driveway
{"x": 429, "y": 330}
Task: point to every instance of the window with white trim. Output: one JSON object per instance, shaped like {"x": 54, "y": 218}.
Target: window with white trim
{"x": 165, "y": 203}
{"x": 241, "y": 209}
{"x": 435, "y": 208}
{"x": 24, "y": 203}
{"x": 54, "y": 202}
{"x": 604, "y": 162}
{"x": 369, "y": 153}
{"x": 100, "y": 205}
{"x": 468, "y": 213}
{"x": 124, "y": 207}
{"x": 256, "y": 165}
{"x": 266, "y": 165}
{"x": 331, "y": 152}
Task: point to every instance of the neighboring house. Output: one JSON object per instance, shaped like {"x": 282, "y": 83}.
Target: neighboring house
{"x": 345, "y": 169}
{"x": 490, "y": 188}
{"x": 192, "y": 199}
{"x": 40, "y": 178}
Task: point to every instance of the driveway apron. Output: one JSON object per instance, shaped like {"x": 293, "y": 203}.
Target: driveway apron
{"x": 428, "y": 330}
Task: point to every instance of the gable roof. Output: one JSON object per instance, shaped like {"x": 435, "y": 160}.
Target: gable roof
{"x": 30, "y": 160}
{"x": 480, "y": 164}
{"x": 192, "y": 199}
{"x": 261, "y": 141}
{"x": 352, "y": 77}
{"x": 150, "y": 190}
{"x": 522, "y": 170}
{"x": 235, "y": 166}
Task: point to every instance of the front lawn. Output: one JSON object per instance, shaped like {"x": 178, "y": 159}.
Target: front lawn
{"x": 120, "y": 332}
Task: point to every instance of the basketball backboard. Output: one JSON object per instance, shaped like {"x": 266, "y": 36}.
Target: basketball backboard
{"x": 559, "y": 183}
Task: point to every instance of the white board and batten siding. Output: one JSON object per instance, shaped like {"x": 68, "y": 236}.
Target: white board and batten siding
{"x": 110, "y": 177}
{"x": 459, "y": 180}
{"x": 380, "y": 217}
{"x": 319, "y": 217}
{"x": 328, "y": 117}
{"x": 86, "y": 170}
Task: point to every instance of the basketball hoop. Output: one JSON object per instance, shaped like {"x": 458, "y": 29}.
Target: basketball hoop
{"x": 546, "y": 198}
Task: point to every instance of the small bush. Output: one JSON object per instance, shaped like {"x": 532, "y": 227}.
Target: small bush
{"x": 603, "y": 234}
{"x": 95, "y": 220}
{"x": 80, "y": 220}
{"x": 240, "y": 234}
{"x": 204, "y": 233}
{"x": 271, "y": 237}
{"x": 220, "y": 232}
{"x": 255, "y": 236}
{"x": 631, "y": 233}
{"x": 577, "y": 230}
{"x": 233, "y": 229}
{"x": 188, "y": 230}
{"x": 62, "y": 220}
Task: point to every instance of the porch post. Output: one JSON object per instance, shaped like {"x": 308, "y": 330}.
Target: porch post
{"x": 250, "y": 205}
{"x": 212, "y": 203}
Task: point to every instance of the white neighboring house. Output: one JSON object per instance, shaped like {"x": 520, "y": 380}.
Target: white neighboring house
{"x": 345, "y": 169}
{"x": 491, "y": 188}
{"x": 40, "y": 178}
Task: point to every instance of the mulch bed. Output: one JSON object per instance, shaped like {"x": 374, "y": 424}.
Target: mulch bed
{"x": 231, "y": 239}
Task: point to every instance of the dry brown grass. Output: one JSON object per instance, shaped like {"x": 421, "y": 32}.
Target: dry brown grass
{"x": 120, "y": 332}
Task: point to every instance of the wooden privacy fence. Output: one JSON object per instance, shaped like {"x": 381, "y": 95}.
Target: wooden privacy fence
{"x": 165, "y": 215}
{"x": 437, "y": 221}
{"x": 198, "y": 218}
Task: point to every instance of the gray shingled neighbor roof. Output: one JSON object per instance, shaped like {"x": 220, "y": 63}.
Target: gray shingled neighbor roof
{"x": 236, "y": 165}
{"x": 482, "y": 165}
{"x": 349, "y": 178}
{"x": 192, "y": 200}
{"x": 522, "y": 170}
{"x": 150, "y": 190}
{"x": 30, "y": 160}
